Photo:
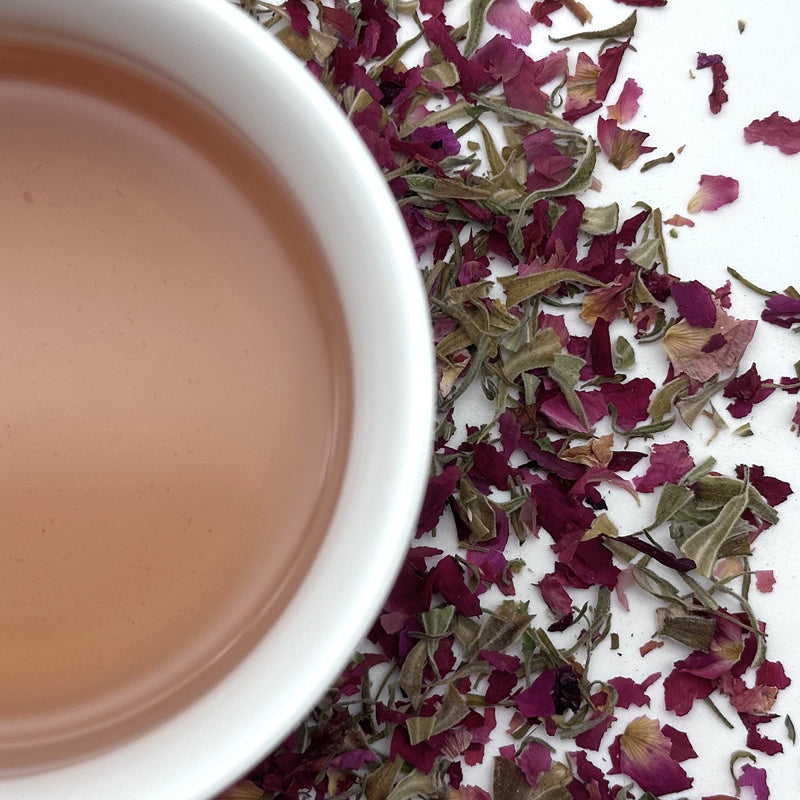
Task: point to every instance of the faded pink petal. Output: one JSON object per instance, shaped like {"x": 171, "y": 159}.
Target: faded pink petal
{"x": 621, "y": 146}
{"x": 701, "y": 353}
{"x": 676, "y": 220}
{"x": 644, "y": 753}
{"x": 626, "y": 108}
{"x": 715, "y": 191}
{"x": 776, "y": 131}
{"x": 582, "y": 89}
{"x": 753, "y": 700}
{"x": 508, "y": 16}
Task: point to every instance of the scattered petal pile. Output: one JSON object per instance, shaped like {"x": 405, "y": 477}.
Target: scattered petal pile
{"x": 551, "y": 345}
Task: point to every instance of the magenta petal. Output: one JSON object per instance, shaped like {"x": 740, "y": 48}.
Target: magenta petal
{"x": 782, "y": 310}
{"x": 668, "y": 464}
{"x": 508, "y": 16}
{"x": 440, "y": 487}
{"x": 681, "y": 690}
{"x": 755, "y": 777}
{"x": 695, "y": 303}
{"x": 537, "y": 699}
{"x": 534, "y": 760}
{"x": 631, "y": 693}
{"x": 776, "y": 131}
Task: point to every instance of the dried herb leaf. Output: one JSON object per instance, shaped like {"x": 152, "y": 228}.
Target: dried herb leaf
{"x": 623, "y": 30}
{"x": 704, "y": 545}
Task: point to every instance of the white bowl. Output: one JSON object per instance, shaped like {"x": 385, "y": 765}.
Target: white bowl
{"x": 225, "y": 59}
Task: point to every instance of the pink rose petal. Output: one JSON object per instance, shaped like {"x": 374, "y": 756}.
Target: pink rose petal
{"x": 715, "y": 191}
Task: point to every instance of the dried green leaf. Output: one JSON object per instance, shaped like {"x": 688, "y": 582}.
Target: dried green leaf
{"x": 509, "y": 781}
{"x": 672, "y": 499}
{"x": 623, "y": 30}
{"x": 644, "y": 253}
{"x": 445, "y": 74}
{"x": 477, "y": 16}
{"x": 689, "y": 408}
{"x": 379, "y": 784}
{"x": 520, "y": 289}
{"x": 477, "y": 511}
{"x": 536, "y": 354}
{"x": 437, "y": 621}
{"x": 501, "y": 629}
{"x": 601, "y": 220}
{"x": 552, "y": 785}
{"x": 417, "y": 784}
{"x": 410, "y": 680}
{"x": 648, "y": 165}
{"x": 698, "y": 471}
{"x": 452, "y": 710}
{"x": 703, "y": 546}
{"x": 693, "y": 630}
{"x": 565, "y": 371}
{"x": 790, "y": 730}
{"x": 623, "y": 354}
{"x": 420, "y": 729}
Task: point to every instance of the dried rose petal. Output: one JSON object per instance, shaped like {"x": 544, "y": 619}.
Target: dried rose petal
{"x": 582, "y": 89}
{"x": 621, "y": 146}
{"x": 782, "y": 310}
{"x": 631, "y": 693}
{"x": 668, "y": 464}
{"x": 715, "y": 191}
{"x": 702, "y": 353}
{"x": 776, "y": 131}
{"x": 626, "y": 108}
{"x": 755, "y": 777}
{"x": 718, "y": 94}
{"x": 644, "y": 752}
{"x": 747, "y": 389}
{"x": 508, "y": 16}
{"x": 695, "y": 303}
{"x": 676, "y": 220}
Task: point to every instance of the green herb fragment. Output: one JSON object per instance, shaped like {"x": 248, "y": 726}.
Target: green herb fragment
{"x": 602, "y": 220}
{"x": 623, "y": 30}
{"x": 662, "y": 401}
{"x": 703, "y": 546}
{"x": 477, "y": 17}
{"x": 378, "y": 785}
{"x": 623, "y": 354}
{"x": 648, "y": 165}
{"x": 693, "y": 630}
{"x": 520, "y": 289}
{"x": 790, "y": 729}
{"x": 509, "y": 781}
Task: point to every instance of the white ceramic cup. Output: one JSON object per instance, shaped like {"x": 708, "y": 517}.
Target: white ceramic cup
{"x": 247, "y": 76}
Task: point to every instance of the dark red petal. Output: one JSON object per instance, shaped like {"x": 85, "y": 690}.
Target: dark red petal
{"x": 695, "y": 303}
